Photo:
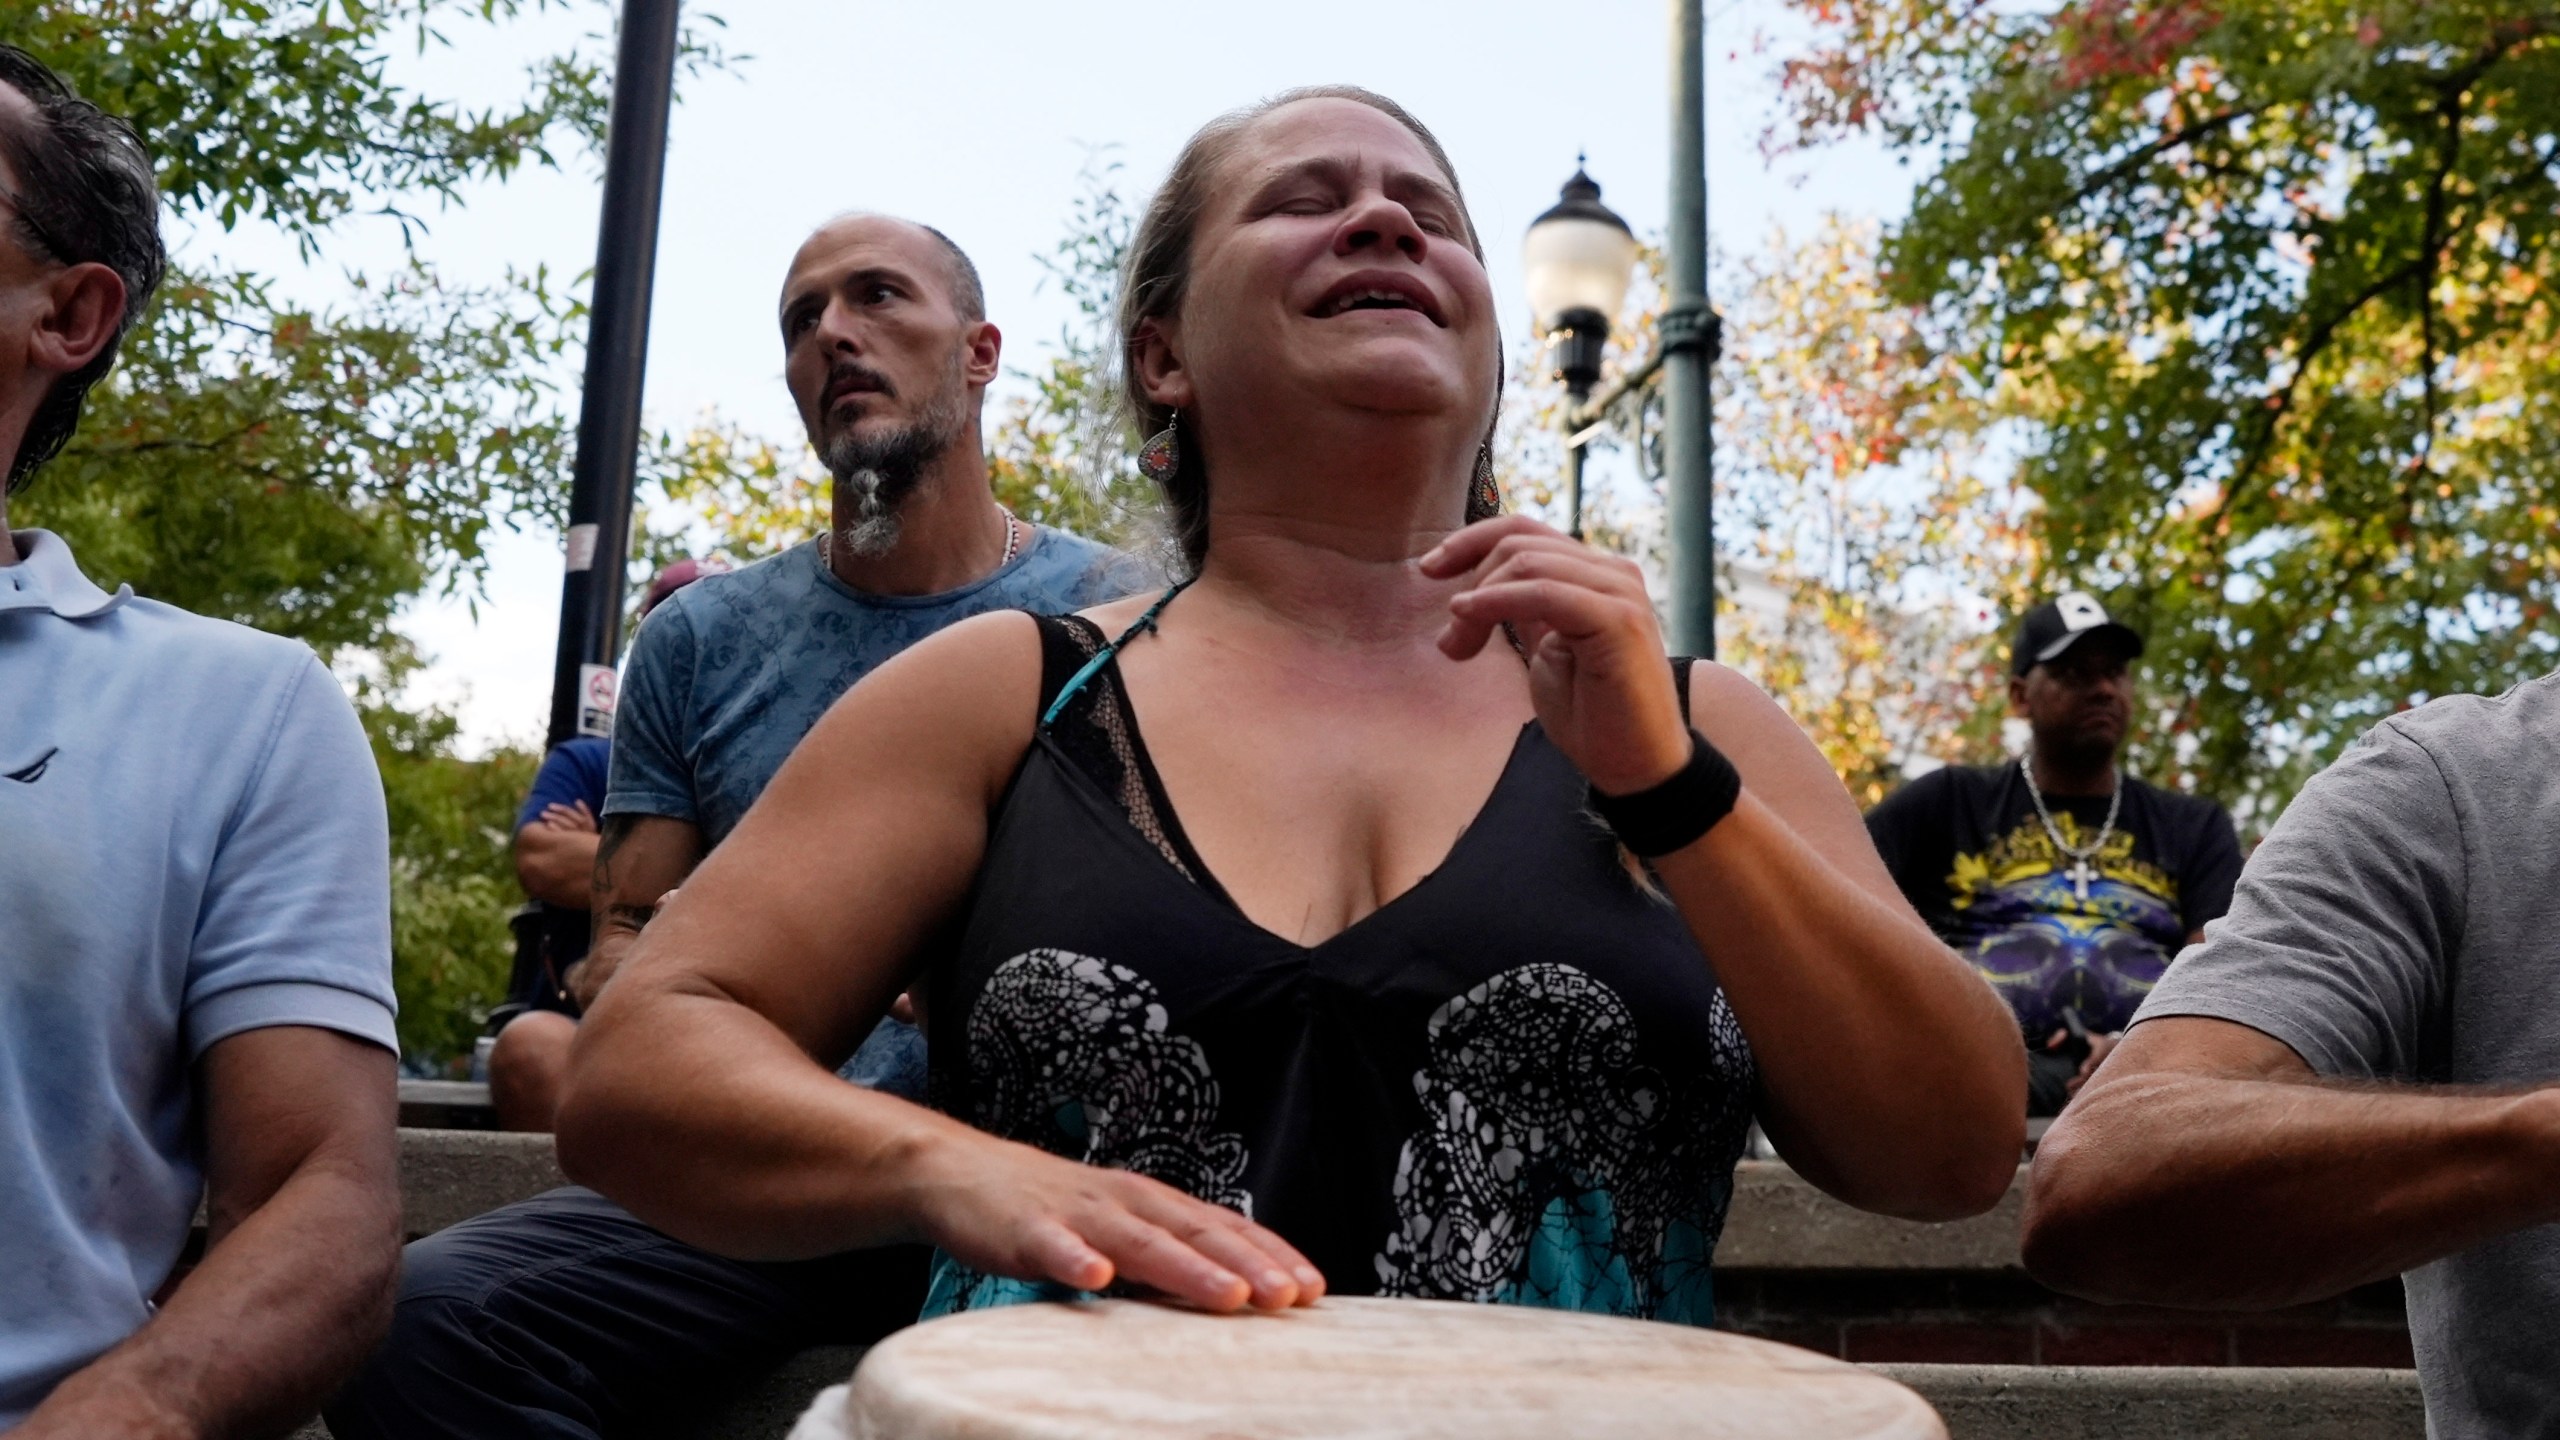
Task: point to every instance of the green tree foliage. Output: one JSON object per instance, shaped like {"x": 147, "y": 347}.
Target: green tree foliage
{"x": 2267, "y": 287}
{"x": 452, "y": 872}
{"x": 1873, "y": 544}
{"x": 1062, "y": 453}
{"x": 306, "y": 470}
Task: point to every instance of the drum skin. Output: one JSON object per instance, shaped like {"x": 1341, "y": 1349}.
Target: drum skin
{"x": 1367, "y": 1368}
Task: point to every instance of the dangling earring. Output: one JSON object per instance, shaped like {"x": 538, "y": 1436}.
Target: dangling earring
{"x": 1160, "y": 459}
{"x": 1486, "y": 497}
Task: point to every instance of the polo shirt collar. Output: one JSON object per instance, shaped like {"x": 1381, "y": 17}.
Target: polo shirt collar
{"x": 47, "y": 578}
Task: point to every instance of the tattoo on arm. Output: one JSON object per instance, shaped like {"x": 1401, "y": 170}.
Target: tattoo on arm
{"x": 614, "y": 834}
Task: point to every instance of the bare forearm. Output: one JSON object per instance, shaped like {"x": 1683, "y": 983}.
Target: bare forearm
{"x": 280, "y": 1313}
{"x": 709, "y": 1123}
{"x": 556, "y": 866}
{"x": 1895, "y": 1073}
{"x": 2185, "y": 1189}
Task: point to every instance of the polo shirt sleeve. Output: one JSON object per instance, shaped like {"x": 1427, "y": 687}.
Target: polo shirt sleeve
{"x": 649, "y": 774}
{"x": 295, "y": 923}
{"x": 2338, "y": 936}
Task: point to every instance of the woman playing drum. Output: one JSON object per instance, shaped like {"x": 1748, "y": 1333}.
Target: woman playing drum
{"x": 1281, "y": 933}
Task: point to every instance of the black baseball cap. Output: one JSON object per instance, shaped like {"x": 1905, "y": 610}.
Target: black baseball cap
{"x": 2062, "y": 622}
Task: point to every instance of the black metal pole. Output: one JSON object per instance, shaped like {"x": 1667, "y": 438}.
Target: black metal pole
{"x": 1573, "y": 455}
{"x": 599, "y": 536}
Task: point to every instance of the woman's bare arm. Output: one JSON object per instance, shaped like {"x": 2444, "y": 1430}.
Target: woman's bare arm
{"x": 1892, "y": 1075}
{"x": 700, "y": 1092}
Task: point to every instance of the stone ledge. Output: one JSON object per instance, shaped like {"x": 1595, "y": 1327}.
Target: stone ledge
{"x": 1778, "y": 1220}
{"x": 2036, "y": 1402}
{"x": 447, "y": 1105}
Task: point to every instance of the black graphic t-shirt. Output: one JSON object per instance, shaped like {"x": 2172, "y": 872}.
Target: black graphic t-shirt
{"x": 1965, "y": 845}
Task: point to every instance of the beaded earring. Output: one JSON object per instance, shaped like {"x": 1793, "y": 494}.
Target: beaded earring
{"x": 1486, "y": 495}
{"x": 1160, "y": 459}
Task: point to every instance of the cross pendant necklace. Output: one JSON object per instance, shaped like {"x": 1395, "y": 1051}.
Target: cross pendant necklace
{"x": 2081, "y": 871}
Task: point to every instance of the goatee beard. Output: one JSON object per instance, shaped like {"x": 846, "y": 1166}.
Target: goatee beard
{"x": 867, "y": 504}
{"x": 877, "y": 475}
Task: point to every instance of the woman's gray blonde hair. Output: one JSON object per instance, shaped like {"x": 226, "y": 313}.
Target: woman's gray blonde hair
{"x": 1158, "y": 274}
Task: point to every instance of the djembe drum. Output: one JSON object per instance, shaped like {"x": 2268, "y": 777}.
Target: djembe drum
{"x": 1375, "y": 1369}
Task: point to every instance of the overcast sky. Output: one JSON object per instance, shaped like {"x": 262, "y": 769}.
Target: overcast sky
{"x": 976, "y": 117}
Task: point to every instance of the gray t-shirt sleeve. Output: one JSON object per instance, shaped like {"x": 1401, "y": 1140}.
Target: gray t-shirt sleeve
{"x": 2337, "y": 938}
{"x": 649, "y": 773}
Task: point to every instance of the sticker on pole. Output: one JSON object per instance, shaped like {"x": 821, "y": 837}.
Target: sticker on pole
{"x": 582, "y": 548}
{"x": 598, "y": 688}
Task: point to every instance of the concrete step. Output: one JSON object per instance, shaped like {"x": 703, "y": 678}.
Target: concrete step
{"x": 447, "y": 1105}
{"x": 2038, "y": 1402}
{"x": 1779, "y": 1221}
{"x": 448, "y": 1176}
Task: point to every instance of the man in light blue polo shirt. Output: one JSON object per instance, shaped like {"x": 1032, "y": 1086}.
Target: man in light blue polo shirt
{"x": 195, "y": 986}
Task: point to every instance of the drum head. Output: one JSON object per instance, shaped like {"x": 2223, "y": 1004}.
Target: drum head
{"x": 1368, "y": 1368}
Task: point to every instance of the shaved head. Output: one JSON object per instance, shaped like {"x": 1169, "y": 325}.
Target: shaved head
{"x": 968, "y": 294}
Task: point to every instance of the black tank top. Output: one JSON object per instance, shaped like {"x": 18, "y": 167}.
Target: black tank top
{"x": 1516, "y": 1082}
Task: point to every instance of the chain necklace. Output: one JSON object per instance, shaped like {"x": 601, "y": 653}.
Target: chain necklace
{"x": 1013, "y": 529}
{"x": 2081, "y": 871}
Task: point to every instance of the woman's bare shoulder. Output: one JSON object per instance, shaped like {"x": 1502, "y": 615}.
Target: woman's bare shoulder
{"x": 1723, "y": 698}
{"x": 1773, "y": 752}
{"x": 1114, "y": 616}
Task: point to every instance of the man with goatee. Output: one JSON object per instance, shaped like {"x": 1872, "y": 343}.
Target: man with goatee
{"x": 565, "y": 1315}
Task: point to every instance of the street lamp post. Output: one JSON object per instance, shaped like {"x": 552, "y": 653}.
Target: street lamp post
{"x": 1577, "y": 259}
{"x": 1691, "y": 340}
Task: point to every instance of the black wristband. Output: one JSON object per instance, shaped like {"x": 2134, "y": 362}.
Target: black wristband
{"x": 1676, "y": 812}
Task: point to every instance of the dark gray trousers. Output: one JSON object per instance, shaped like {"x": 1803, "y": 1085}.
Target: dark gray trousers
{"x": 566, "y": 1317}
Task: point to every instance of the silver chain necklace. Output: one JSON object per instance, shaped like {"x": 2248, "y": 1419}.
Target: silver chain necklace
{"x": 2081, "y": 871}
{"x": 1012, "y": 541}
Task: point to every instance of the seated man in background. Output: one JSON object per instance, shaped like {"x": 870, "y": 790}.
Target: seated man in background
{"x": 2358, "y": 1074}
{"x": 564, "y": 1315}
{"x": 195, "y": 914}
{"x": 555, "y": 849}
{"x": 2067, "y": 883}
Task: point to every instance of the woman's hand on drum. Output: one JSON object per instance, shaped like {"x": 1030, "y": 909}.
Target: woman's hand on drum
{"x": 1596, "y": 663}
{"x": 1014, "y": 1210}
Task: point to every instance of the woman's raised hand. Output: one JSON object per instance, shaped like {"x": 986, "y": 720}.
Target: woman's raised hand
{"x": 1014, "y": 1210}
{"x": 1596, "y": 666}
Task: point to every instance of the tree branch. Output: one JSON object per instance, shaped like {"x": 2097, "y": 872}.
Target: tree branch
{"x": 2145, "y": 154}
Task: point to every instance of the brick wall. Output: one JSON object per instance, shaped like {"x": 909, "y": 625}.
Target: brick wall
{"x": 2004, "y": 1318}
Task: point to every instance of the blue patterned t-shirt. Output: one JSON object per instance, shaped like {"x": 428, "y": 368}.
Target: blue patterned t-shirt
{"x": 731, "y": 671}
